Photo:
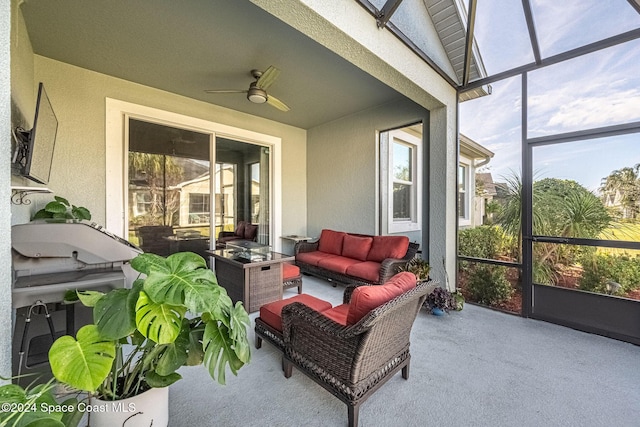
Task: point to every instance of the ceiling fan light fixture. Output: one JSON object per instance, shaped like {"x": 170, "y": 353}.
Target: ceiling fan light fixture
{"x": 256, "y": 95}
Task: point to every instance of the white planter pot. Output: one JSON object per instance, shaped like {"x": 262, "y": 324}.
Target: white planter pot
{"x": 143, "y": 410}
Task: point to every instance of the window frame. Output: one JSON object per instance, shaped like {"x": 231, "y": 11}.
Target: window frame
{"x": 414, "y": 222}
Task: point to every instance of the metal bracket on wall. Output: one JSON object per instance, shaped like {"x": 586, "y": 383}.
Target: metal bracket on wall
{"x": 19, "y": 194}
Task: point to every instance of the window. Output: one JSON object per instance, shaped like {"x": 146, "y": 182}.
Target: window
{"x": 199, "y": 208}
{"x": 404, "y": 201}
{"x": 463, "y": 191}
{"x": 143, "y": 203}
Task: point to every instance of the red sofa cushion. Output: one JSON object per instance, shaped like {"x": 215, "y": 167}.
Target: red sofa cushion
{"x": 338, "y": 314}
{"x": 290, "y": 271}
{"x": 366, "y": 298}
{"x": 271, "y": 313}
{"x": 331, "y": 241}
{"x": 356, "y": 247}
{"x": 384, "y": 247}
{"x": 367, "y": 270}
{"x": 313, "y": 258}
{"x": 336, "y": 263}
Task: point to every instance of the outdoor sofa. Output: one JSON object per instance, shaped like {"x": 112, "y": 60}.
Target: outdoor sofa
{"x": 350, "y": 258}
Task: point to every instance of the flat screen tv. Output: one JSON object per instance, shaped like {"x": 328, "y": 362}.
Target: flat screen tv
{"x": 39, "y": 142}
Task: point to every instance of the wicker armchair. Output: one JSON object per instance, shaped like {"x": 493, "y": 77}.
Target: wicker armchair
{"x": 352, "y": 362}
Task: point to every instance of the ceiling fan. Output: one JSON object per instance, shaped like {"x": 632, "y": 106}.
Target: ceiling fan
{"x": 257, "y": 92}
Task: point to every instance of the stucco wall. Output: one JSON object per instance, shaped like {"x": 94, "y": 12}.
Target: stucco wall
{"x": 78, "y": 170}
{"x": 5, "y": 193}
{"x": 342, "y": 158}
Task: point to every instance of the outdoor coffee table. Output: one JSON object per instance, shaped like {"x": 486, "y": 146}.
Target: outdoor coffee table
{"x": 251, "y": 276}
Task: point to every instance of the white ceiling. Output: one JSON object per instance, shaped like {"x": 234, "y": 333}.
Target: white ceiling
{"x": 187, "y": 47}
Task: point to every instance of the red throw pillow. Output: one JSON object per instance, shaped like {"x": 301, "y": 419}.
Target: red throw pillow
{"x": 356, "y": 247}
{"x": 240, "y": 229}
{"x": 331, "y": 242}
{"x": 366, "y": 298}
{"x": 250, "y": 231}
{"x": 384, "y": 247}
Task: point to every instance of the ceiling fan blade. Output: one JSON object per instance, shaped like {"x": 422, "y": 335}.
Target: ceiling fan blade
{"x": 268, "y": 78}
{"x": 275, "y": 102}
{"x": 226, "y": 91}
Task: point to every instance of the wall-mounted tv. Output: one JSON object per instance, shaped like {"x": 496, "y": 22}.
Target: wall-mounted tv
{"x": 35, "y": 151}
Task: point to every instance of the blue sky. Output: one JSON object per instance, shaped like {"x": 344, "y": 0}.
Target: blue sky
{"x": 599, "y": 89}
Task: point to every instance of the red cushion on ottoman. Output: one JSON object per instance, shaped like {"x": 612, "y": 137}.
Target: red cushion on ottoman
{"x": 290, "y": 271}
{"x": 271, "y": 313}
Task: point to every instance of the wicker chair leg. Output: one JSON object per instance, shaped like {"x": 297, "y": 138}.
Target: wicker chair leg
{"x": 405, "y": 371}
{"x": 353, "y": 414}
{"x": 287, "y": 367}
{"x": 258, "y": 341}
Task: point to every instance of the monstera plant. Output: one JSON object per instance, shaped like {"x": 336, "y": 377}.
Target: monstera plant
{"x": 175, "y": 314}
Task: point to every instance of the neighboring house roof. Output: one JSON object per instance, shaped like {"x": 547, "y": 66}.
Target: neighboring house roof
{"x": 488, "y": 186}
{"x": 471, "y": 149}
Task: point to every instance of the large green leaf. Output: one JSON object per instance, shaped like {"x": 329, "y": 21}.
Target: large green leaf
{"x": 88, "y": 298}
{"x": 160, "y": 323}
{"x": 175, "y": 355}
{"x": 83, "y": 363}
{"x": 155, "y": 380}
{"x": 195, "y": 351}
{"x": 144, "y": 262}
{"x": 238, "y": 332}
{"x": 184, "y": 279}
{"x": 114, "y": 314}
{"x": 55, "y": 208}
{"x": 219, "y": 352}
{"x": 81, "y": 213}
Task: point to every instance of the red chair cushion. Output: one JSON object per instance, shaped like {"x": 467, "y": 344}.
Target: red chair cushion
{"x": 356, "y": 247}
{"x": 271, "y": 313}
{"x": 384, "y": 247}
{"x": 338, "y": 314}
{"x": 366, "y": 298}
{"x": 290, "y": 271}
{"x": 405, "y": 280}
{"x": 331, "y": 241}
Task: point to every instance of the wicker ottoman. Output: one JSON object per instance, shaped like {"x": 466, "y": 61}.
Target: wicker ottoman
{"x": 269, "y": 324}
{"x": 291, "y": 277}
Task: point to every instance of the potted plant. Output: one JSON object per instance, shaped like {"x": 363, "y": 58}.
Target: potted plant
{"x": 61, "y": 209}
{"x": 439, "y": 301}
{"x": 457, "y": 300}
{"x": 419, "y": 267}
{"x": 174, "y": 315}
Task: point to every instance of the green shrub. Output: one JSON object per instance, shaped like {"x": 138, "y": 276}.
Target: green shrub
{"x": 482, "y": 242}
{"x": 488, "y": 284}
{"x": 600, "y": 268}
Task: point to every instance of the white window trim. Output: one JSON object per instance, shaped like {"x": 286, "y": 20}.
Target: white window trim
{"x": 466, "y": 219}
{"x": 415, "y": 223}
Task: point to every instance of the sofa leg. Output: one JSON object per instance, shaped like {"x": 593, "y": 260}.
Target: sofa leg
{"x": 299, "y": 288}
{"x": 405, "y": 371}
{"x": 258, "y": 341}
{"x": 353, "y": 414}
{"x": 287, "y": 367}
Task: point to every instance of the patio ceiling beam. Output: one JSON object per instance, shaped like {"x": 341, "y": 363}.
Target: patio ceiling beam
{"x": 468, "y": 48}
{"x": 570, "y": 54}
{"x": 387, "y": 12}
{"x": 528, "y": 14}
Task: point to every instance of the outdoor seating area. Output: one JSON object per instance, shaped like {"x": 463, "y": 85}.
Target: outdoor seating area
{"x": 353, "y": 348}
